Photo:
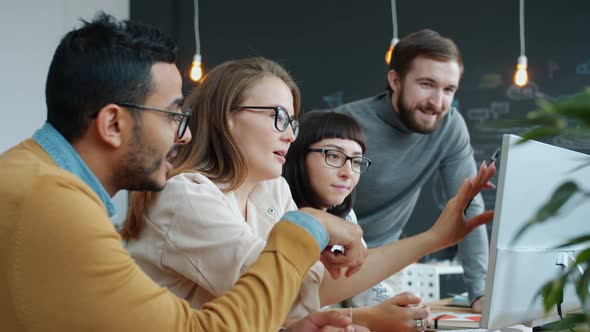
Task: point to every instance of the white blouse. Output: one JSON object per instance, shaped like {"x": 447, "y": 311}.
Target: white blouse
{"x": 196, "y": 243}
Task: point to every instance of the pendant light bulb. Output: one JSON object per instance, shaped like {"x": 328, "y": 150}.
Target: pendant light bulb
{"x": 196, "y": 68}
{"x": 521, "y": 77}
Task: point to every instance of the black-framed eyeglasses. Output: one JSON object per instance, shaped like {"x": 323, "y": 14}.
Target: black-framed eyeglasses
{"x": 337, "y": 159}
{"x": 178, "y": 117}
{"x": 282, "y": 118}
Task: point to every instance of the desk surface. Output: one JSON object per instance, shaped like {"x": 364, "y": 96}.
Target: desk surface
{"x": 442, "y": 305}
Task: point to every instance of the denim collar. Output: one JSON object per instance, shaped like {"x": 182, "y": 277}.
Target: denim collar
{"x": 64, "y": 155}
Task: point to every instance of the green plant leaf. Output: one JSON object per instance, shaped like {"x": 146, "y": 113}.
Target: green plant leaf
{"x": 576, "y": 240}
{"x": 576, "y": 134}
{"x": 560, "y": 196}
{"x": 580, "y": 260}
{"x": 575, "y": 107}
{"x": 584, "y": 165}
{"x": 543, "y": 116}
{"x": 577, "y": 322}
{"x": 582, "y": 286}
{"x": 583, "y": 257}
{"x": 545, "y": 105}
{"x": 539, "y": 133}
{"x": 553, "y": 292}
{"x": 570, "y": 118}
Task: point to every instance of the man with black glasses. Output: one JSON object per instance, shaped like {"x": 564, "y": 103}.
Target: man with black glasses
{"x": 114, "y": 119}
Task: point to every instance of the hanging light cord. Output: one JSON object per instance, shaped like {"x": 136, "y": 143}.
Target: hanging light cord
{"x": 521, "y": 27}
{"x": 394, "y": 18}
{"x": 197, "y": 37}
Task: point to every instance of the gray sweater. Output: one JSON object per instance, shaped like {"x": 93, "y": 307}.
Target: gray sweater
{"x": 403, "y": 161}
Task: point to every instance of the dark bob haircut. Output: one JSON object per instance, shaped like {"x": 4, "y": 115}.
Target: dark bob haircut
{"x": 316, "y": 126}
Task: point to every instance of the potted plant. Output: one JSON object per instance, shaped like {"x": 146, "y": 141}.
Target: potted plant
{"x": 570, "y": 118}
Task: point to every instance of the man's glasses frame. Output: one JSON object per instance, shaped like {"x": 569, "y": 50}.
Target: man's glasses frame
{"x": 181, "y": 118}
{"x": 279, "y": 111}
{"x": 362, "y": 162}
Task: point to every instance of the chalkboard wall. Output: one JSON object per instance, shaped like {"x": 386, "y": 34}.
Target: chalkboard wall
{"x": 335, "y": 50}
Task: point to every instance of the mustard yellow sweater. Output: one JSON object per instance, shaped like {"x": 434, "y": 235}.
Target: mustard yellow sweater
{"x": 63, "y": 268}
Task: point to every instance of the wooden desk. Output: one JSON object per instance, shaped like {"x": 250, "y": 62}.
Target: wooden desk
{"x": 442, "y": 305}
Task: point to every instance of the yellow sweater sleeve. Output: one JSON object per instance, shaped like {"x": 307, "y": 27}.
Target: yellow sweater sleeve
{"x": 69, "y": 272}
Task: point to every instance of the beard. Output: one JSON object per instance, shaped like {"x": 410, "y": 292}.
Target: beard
{"x": 408, "y": 116}
{"x": 137, "y": 171}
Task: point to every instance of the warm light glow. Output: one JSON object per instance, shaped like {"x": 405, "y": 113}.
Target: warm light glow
{"x": 388, "y": 55}
{"x": 521, "y": 78}
{"x": 196, "y": 69}
{"x": 389, "y": 52}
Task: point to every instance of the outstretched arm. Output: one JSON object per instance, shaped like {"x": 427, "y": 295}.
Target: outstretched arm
{"x": 451, "y": 227}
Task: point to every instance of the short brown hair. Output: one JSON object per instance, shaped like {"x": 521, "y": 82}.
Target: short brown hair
{"x": 213, "y": 151}
{"x": 424, "y": 43}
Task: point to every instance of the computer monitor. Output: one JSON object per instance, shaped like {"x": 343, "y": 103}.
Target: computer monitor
{"x": 529, "y": 173}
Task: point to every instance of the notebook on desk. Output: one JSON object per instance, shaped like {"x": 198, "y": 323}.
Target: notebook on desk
{"x": 455, "y": 320}
{"x": 441, "y": 307}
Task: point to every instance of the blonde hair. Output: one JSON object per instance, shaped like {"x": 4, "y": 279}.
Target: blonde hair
{"x": 213, "y": 151}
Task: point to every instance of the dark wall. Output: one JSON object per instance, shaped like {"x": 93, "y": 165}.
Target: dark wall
{"x": 338, "y": 46}
{"x": 335, "y": 51}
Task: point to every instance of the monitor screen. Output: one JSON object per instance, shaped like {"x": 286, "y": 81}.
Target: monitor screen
{"x": 529, "y": 173}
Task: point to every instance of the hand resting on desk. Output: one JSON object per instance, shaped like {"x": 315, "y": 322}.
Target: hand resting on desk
{"x": 399, "y": 313}
{"x": 325, "y": 321}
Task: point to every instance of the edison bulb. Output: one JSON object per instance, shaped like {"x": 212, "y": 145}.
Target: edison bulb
{"x": 521, "y": 77}
{"x": 196, "y": 68}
